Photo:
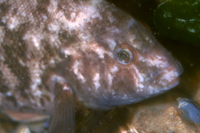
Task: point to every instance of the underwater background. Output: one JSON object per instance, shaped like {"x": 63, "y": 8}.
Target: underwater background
{"x": 176, "y": 25}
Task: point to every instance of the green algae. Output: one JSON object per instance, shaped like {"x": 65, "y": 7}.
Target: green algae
{"x": 179, "y": 20}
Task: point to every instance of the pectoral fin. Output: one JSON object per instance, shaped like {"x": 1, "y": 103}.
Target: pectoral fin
{"x": 63, "y": 117}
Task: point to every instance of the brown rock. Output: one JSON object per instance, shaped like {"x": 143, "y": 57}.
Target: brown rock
{"x": 160, "y": 118}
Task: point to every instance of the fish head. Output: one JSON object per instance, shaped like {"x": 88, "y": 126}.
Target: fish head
{"x": 121, "y": 68}
{"x": 115, "y": 60}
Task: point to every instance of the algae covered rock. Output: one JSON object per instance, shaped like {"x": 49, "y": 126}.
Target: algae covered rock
{"x": 179, "y": 20}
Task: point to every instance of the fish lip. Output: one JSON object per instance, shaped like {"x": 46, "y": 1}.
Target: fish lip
{"x": 173, "y": 68}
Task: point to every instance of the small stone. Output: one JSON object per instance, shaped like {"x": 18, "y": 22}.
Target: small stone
{"x": 23, "y": 129}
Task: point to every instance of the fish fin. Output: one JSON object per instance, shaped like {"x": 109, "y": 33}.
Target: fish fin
{"x": 63, "y": 117}
{"x": 23, "y": 117}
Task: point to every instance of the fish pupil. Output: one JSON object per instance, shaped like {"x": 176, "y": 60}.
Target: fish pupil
{"x": 123, "y": 56}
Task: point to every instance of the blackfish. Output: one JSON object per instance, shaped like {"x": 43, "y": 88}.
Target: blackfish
{"x": 53, "y": 51}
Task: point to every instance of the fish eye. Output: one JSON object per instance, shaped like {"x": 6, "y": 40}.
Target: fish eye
{"x": 123, "y": 56}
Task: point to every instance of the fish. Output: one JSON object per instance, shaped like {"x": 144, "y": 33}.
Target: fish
{"x": 189, "y": 110}
{"x": 54, "y": 53}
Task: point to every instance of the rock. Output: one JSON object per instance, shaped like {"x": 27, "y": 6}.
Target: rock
{"x": 23, "y": 129}
{"x": 179, "y": 20}
{"x": 159, "y": 117}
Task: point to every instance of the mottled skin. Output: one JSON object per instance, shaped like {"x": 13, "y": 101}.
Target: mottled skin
{"x": 92, "y": 49}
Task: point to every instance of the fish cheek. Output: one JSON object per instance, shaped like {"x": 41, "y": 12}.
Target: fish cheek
{"x": 116, "y": 90}
{"x": 125, "y": 82}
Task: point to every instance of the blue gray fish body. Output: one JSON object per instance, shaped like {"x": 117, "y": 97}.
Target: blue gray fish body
{"x": 190, "y": 110}
{"x": 53, "y": 50}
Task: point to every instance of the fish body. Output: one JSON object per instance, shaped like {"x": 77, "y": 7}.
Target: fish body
{"x": 190, "y": 110}
{"x": 54, "y": 50}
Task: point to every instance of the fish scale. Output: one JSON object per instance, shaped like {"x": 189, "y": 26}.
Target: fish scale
{"x": 56, "y": 50}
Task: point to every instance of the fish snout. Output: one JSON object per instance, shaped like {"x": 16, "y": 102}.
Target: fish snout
{"x": 167, "y": 79}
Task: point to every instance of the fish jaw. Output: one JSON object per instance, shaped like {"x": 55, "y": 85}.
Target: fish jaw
{"x": 168, "y": 79}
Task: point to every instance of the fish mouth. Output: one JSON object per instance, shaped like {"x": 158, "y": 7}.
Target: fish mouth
{"x": 168, "y": 79}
